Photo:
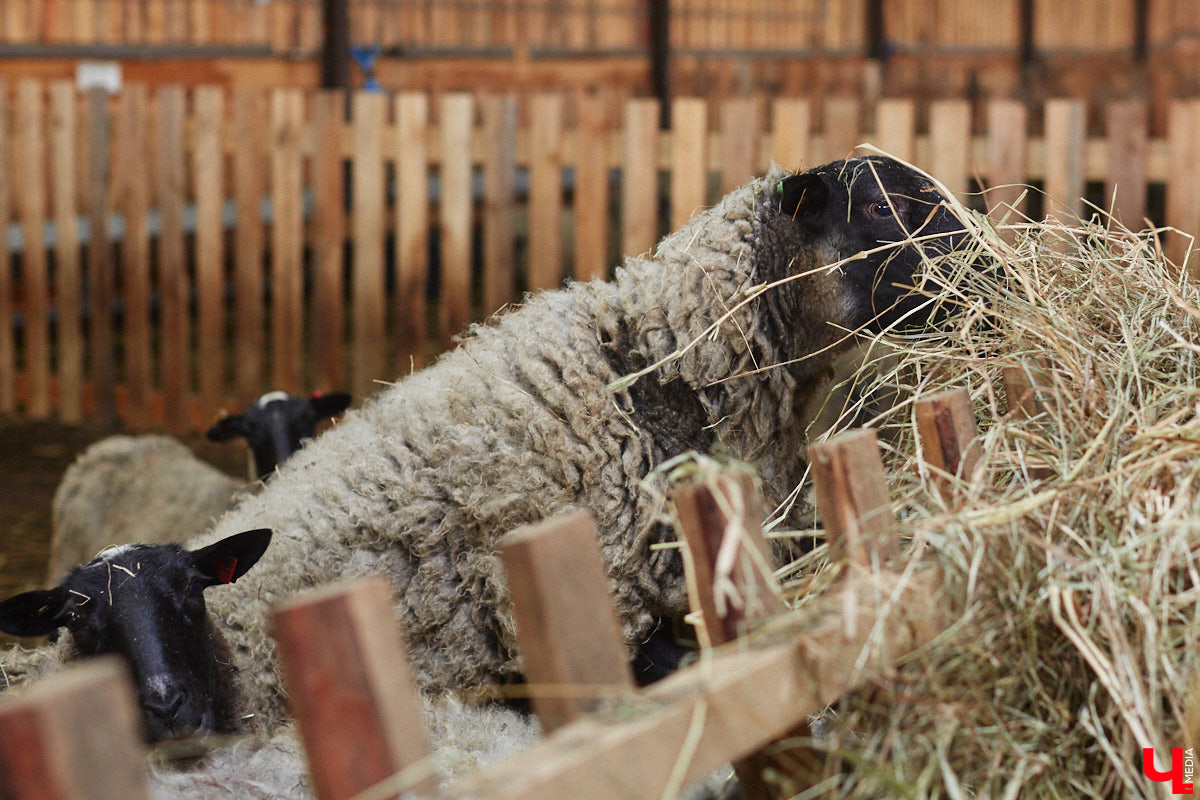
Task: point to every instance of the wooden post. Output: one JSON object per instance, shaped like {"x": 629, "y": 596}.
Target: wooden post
{"x": 1025, "y": 400}
{"x": 73, "y": 736}
{"x": 852, "y": 495}
{"x": 730, "y": 581}
{"x": 729, "y": 575}
{"x": 1023, "y": 392}
{"x": 350, "y": 686}
{"x": 946, "y": 426}
{"x": 570, "y": 637}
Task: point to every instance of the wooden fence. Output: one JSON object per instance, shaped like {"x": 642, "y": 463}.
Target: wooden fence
{"x": 594, "y": 26}
{"x": 359, "y": 718}
{"x": 174, "y": 252}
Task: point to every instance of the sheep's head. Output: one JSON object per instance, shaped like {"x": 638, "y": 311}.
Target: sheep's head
{"x": 276, "y": 425}
{"x": 891, "y": 214}
{"x": 146, "y": 604}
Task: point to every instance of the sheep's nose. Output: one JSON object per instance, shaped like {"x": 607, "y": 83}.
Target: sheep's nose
{"x": 164, "y": 704}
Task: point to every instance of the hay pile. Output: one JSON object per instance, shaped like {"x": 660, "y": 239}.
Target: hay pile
{"x": 1073, "y": 563}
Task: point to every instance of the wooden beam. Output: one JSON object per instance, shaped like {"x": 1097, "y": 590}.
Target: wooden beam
{"x": 732, "y": 704}
{"x": 350, "y": 687}
{"x": 570, "y": 637}
{"x": 729, "y": 575}
{"x": 852, "y": 496}
{"x": 731, "y": 584}
{"x": 949, "y": 437}
{"x": 72, "y": 736}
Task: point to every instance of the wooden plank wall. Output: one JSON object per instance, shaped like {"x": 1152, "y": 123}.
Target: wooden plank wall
{"x": 275, "y": 240}
{"x": 294, "y": 26}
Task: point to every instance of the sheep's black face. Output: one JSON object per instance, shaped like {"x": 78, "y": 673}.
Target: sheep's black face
{"x": 276, "y": 425}
{"x": 145, "y": 603}
{"x": 869, "y": 205}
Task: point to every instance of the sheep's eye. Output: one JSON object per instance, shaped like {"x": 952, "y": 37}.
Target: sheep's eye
{"x": 71, "y": 618}
{"x": 881, "y": 209}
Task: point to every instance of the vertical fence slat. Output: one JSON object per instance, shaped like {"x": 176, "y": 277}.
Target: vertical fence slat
{"x": 68, "y": 282}
{"x": 689, "y": 158}
{"x": 499, "y": 199}
{"x": 329, "y": 237}
{"x": 739, "y": 142}
{"x": 133, "y": 202}
{"x": 175, "y": 356}
{"x": 592, "y": 192}
{"x": 570, "y": 638}
{"x": 51, "y": 749}
{"x": 896, "y": 128}
{"x": 208, "y": 179}
{"x": 8, "y": 366}
{"x": 639, "y": 178}
{"x": 842, "y": 126}
{"x": 1125, "y": 186}
{"x": 1183, "y": 186}
{"x": 368, "y": 282}
{"x": 454, "y": 212}
{"x": 1008, "y": 154}
{"x": 350, "y": 687}
{"x": 287, "y": 241}
{"x": 950, "y": 138}
{"x": 29, "y": 157}
{"x": 100, "y": 272}
{"x": 545, "y": 192}
{"x": 791, "y": 133}
{"x": 1063, "y": 155}
{"x": 249, "y": 241}
{"x": 412, "y": 226}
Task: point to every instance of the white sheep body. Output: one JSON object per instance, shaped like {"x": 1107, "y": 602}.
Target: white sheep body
{"x": 519, "y": 423}
{"x": 148, "y": 489}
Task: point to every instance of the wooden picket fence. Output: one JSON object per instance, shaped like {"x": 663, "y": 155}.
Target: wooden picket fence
{"x": 359, "y": 717}
{"x": 173, "y": 252}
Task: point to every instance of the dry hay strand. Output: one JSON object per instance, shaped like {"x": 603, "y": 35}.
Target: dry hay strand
{"x": 1072, "y": 574}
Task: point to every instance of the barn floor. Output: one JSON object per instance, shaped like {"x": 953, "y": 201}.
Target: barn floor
{"x": 33, "y": 457}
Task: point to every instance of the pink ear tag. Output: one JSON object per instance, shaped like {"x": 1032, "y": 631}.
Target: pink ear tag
{"x": 224, "y": 567}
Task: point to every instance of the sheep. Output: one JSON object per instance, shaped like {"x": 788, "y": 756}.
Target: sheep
{"x": 519, "y": 422}
{"x": 146, "y": 603}
{"x": 152, "y": 488}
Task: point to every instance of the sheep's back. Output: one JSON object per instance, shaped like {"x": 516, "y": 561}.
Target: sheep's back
{"x": 123, "y": 489}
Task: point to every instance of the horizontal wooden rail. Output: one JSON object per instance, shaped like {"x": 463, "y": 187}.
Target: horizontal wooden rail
{"x": 729, "y": 705}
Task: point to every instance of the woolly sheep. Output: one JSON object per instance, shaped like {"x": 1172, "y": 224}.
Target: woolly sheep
{"x": 152, "y": 488}
{"x": 519, "y": 422}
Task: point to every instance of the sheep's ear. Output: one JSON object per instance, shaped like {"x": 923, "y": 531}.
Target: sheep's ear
{"x": 227, "y": 428}
{"x": 329, "y": 405}
{"x": 802, "y": 196}
{"x": 232, "y": 557}
{"x": 32, "y": 613}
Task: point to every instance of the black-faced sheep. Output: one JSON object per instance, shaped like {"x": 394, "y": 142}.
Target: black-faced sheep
{"x": 146, "y": 604}
{"x": 740, "y": 313}
{"x": 520, "y": 422}
{"x": 152, "y": 488}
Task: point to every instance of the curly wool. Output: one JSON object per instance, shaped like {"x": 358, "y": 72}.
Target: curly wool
{"x": 147, "y": 489}
{"x": 518, "y": 423}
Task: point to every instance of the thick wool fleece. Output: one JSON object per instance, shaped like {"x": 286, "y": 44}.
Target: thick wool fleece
{"x": 518, "y": 423}
{"x": 147, "y": 489}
